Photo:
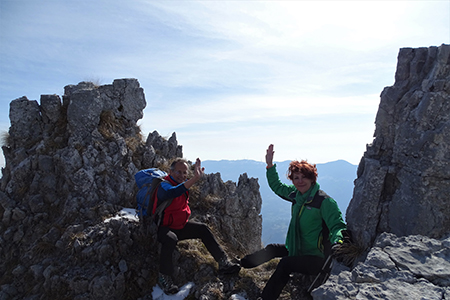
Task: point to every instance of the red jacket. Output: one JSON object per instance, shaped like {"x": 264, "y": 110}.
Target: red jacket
{"x": 177, "y": 214}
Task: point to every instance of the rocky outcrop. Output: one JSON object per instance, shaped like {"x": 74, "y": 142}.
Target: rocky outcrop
{"x": 404, "y": 176}
{"x": 70, "y": 167}
{"x": 409, "y": 267}
{"x": 400, "y": 212}
{"x": 230, "y": 209}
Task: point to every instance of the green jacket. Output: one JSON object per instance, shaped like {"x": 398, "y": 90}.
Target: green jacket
{"x": 304, "y": 235}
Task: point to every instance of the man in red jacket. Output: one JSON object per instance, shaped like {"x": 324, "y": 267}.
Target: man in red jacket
{"x": 176, "y": 226}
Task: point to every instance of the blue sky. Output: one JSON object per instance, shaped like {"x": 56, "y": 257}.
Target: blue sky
{"x": 229, "y": 77}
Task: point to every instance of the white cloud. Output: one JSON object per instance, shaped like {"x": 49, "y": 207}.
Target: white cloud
{"x": 242, "y": 108}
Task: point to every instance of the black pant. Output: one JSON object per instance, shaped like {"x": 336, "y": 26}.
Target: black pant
{"x": 307, "y": 264}
{"x": 192, "y": 230}
{"x": 264, "y": 255}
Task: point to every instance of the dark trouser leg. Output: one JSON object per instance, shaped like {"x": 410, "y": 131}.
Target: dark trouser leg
{"x": 168, "y": 240}
{"x": 192, "y": 230}
{"x": 309, "y": 265}
{"x": 264, "y": 255}
{"x": 196, "y": 230}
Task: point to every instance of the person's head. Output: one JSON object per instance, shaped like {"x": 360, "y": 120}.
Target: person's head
{"x": 302, "y": 174}
{"x": 179, "y": 170}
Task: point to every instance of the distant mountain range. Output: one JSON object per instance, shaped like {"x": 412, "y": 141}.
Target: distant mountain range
{"x": 335, "y": 178}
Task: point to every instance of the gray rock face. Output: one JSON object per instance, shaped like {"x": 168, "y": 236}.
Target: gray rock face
{"x": 236, "y": 204}
{"x": 123, "y": 100}
{"x": 411, "y": 267}
{"x": 403, "y": 179}
{"x": 400, "y": 211}
{"x": 70, "y": 166}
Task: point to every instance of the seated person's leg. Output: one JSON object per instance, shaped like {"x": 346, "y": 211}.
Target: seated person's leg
{"x": 264, "y": 255}
{"x": 308, "y": 265}
{"x": 168, "y": 240}
{"x": 199, "y": 230}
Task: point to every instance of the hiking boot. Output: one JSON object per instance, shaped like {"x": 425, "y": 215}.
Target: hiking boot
{"x": 227, "y": 267}
{"x": 166, "y": 284}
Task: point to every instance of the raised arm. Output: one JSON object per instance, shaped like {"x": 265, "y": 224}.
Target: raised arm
{"x": 269, "y": 156}
{"x": 275, "y": 184}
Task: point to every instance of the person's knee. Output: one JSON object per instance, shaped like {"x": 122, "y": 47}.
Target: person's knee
{"x": 169, "y": 239}
{"x": 271, "y": 247}
{"x": 276, "y": 250}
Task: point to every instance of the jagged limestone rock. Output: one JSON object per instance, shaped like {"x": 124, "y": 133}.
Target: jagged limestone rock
{"x": 26, "y": 122}
{"x": 403, "y": 178}
{"x": 235, "y": 205}
{"x": 400, "y": 211}
{"x": 410, "y": 267}
{"x": 69, "y": 166}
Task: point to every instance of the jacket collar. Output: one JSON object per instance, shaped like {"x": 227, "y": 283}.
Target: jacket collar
{"x": 172, "y": 181}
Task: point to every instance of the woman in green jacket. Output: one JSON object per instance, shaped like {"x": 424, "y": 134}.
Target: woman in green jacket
{"x": 316, "y": 224}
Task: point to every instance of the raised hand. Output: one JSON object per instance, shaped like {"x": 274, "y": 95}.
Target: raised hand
{"x": 269, "y": 156}
{"x": 198, "y": 170}
{"x": 198, "y": 173}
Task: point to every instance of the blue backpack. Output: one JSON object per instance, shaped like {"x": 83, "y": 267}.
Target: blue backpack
{"x": 148, "y": 181}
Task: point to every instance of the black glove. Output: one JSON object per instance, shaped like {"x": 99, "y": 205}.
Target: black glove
{"x": 335, "y": 249}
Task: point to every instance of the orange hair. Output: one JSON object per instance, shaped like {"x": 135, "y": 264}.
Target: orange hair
{"x": 308, "y": 170}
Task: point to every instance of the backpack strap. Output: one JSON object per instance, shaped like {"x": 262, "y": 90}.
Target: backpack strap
{"x": 318, "y": 199}
{"x": 290, "y": 197}
{"x": 158, "y": 215}
{"x": 157, "y": 209}
{"x": 325, "y": 240}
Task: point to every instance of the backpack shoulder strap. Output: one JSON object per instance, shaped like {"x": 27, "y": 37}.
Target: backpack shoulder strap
{"x": 318, "y": 199}
{"x": 158, "y": 208}
{"x": 158, "y": 215}
{"x": 290, "y": 197}
{"x": 325, "y": 240}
